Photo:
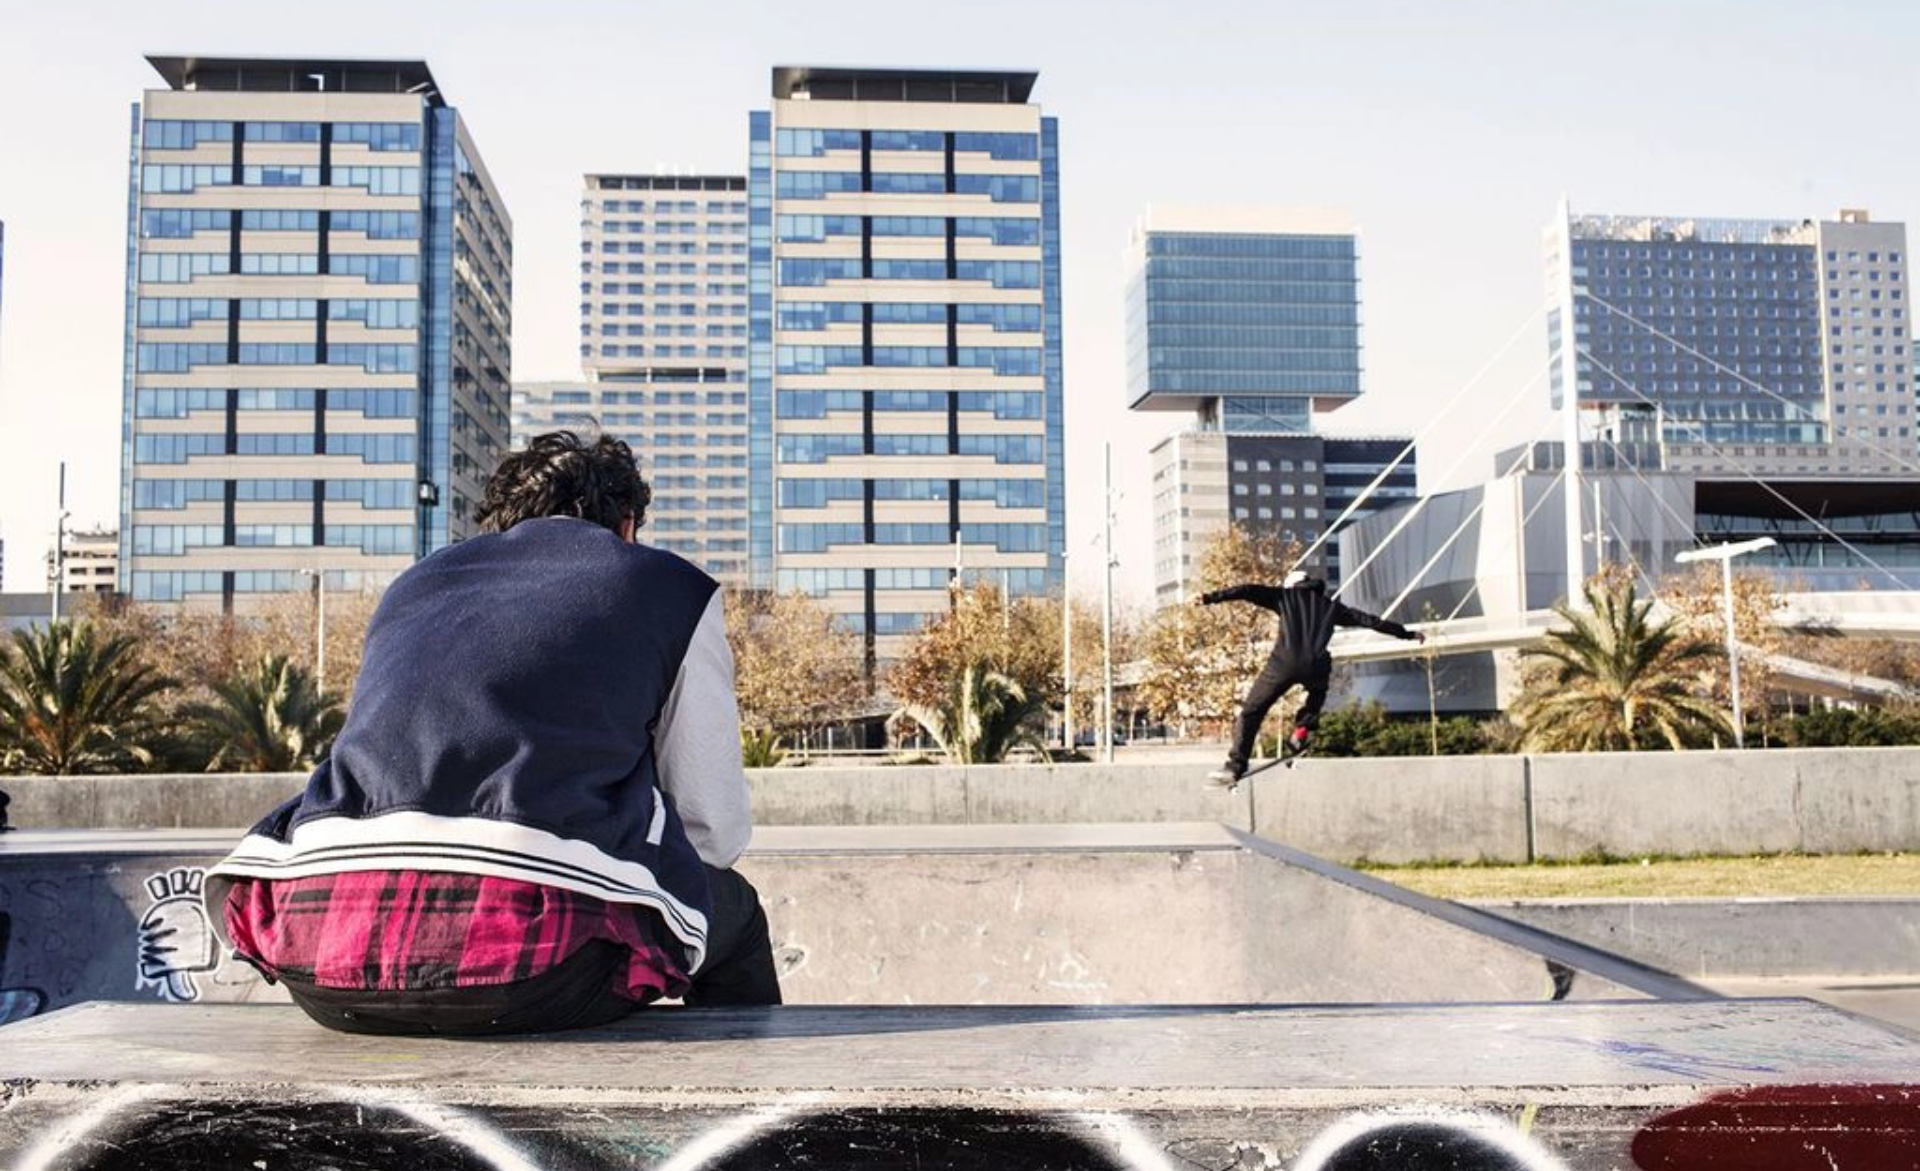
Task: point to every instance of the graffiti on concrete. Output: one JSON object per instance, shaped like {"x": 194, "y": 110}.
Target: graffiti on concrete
{"x": 172, "y": 1128}
{"x": 113, "y": 932}
{"x": 16, "y": 1004}
{"x": 1458, "y": 1140}
{"x": 1784, "y": 1128}
{"x": 177, "y": 941}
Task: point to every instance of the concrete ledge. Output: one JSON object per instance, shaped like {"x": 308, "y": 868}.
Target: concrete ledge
{"x": 1753, "y": 1084}
{"x": 1818, "y": 800}
{"x": 1860, "y": 800}
{"x": 159, "y": 801}
{"x": 859, "y": 796}
{"x": 1672, "y": 803}
{"x": 1746, "y": 938}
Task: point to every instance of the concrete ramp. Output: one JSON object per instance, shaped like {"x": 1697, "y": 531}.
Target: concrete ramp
{"x": 1137, "y": 914}
{"x": 1721, "y": 1086}
{"x": 1122, "y": 914}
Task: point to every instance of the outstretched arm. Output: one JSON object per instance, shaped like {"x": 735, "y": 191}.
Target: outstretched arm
{"x": 1345, "y": 615}
{"x": 1259, "y": 595}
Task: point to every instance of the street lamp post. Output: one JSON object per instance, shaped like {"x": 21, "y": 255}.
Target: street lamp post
{"x": 1066, "y": 660}
{"x": 1106, "y": 618}
{"x": 1725, "y": 554}
{"x": 59, "y": 561}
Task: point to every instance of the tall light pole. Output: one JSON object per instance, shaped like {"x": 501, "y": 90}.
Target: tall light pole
{"x": 1570, "y": 406}
{"x": 60, "y": 545}
{"x": 1725, "y": 554}
{"x": 319, "y": 577}
{"x": 1106, "y": 621}
{"x": 1066, "y": 659}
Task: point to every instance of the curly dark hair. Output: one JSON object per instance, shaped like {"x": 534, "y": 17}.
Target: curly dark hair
{"x": 561, "y": 474}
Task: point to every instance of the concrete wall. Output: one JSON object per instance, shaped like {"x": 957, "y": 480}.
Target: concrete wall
{"x": 1816, "y": 800}
{"x": 1401, "y": 809}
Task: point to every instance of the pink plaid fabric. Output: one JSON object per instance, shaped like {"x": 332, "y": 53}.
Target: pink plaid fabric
{"x": 410, "y": 929}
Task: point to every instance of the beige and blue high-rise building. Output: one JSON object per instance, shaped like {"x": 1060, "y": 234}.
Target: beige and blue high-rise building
{"x": 663, "y": 342}
{"x": 904, "y": 386}
{"x": 318, "y": 341}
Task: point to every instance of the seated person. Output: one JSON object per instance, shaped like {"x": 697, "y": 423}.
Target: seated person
{"x": 529, "y": 819}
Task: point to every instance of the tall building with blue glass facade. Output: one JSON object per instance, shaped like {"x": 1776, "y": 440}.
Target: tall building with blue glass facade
{"x": 1248, "y": 321}
{"x": 318, "y": 330}
{"x": 904, "y": 384}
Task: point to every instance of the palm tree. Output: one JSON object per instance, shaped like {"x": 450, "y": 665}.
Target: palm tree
{"x": 74, "y": 702}
{"x": 269, "y": 718}
{"x": 981, "y": 718}
{"x": 760, "y": 747}
{"x": 1613, "y": 677}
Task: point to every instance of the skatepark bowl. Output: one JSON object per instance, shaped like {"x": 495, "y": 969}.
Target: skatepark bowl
{"x": 1076, "y": 996}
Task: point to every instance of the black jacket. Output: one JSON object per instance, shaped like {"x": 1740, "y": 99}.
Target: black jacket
{"x": 1308, "y": 616}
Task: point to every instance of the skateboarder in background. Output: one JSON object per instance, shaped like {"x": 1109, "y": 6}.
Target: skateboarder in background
{"x": 1308, "y": 616}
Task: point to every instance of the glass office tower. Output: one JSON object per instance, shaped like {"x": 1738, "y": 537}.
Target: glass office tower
{"x": 1248, "y": 320}
{"x": 318, "y": 328}
{"x": 904, "y": 388}
{"x": 1779, "y": 346}
{"x": 1766, "y": 362}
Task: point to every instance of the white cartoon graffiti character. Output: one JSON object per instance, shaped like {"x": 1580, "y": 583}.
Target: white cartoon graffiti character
{"x": 176, "y": 937}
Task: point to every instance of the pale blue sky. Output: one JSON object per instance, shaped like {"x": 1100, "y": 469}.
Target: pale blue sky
{"x": 1447, "y": 130}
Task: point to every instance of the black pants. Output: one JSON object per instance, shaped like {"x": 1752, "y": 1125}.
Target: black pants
{"x": 1281, "y": 674}
{"x": 575, "y": 994}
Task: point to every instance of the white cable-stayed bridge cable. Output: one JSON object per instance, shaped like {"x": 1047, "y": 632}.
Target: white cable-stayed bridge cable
{"x": 1347, "y": 576}
{"x": 1741, "y": 467}
{"x": 1685, "y": 524}
{"x": 1327, "y": 531}
{"x": 1891, "y": 453}
{"x": 1506, "y": 544}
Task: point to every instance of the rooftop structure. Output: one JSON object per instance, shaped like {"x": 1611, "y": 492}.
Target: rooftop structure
{"x": 299, "y": 75}
{"x": 804, "y": 83}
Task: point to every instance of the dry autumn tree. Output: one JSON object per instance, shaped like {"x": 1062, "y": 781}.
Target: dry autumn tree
{"x": 796, "y": 668}
{"x": 1201, "y": 658}
{"x": 991, "y": 664}
{"x": 1697, "y": 602}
